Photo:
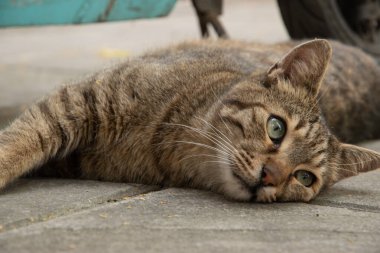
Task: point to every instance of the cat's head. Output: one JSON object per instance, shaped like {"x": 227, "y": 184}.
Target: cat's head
{"x": 276, "y": 144}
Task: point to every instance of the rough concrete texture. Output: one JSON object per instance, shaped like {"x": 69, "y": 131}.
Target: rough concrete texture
{"x": 32, "y": 200}
{"x": 50, "y": 215}
{"x": 183, "y": 220}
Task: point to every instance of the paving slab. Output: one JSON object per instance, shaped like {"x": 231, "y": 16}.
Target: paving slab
{"x": 184, "y": 220}
{"x": 361, "y": 192}
{"x": 33, "y": 200}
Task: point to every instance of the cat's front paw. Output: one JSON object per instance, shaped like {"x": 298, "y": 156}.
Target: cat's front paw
{"x": 266, "y": 194}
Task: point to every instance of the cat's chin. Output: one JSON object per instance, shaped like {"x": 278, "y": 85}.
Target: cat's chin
{"x": 235, "y": 187}
{"x": 238, "y": 190}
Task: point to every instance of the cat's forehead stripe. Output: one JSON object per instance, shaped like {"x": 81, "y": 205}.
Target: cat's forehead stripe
{"x": 301, "y": 123}
{"x": 310, "y": 130}
{"x": 242, "y": 105}
{"x": 317, "y": 156}
{"x": 314, "y": 120}
{"x": 322, "y": 163}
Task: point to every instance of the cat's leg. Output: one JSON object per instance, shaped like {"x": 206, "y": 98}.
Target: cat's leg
{"x": 49, "y": 129}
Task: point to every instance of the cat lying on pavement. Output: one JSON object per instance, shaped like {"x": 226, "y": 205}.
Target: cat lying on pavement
{"x": 249, "y": 121}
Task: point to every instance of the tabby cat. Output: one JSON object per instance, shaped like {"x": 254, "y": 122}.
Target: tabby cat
{"x": 221, "y": 116}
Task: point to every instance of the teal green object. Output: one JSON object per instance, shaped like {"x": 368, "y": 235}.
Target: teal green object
{"x": 48, "y": 12}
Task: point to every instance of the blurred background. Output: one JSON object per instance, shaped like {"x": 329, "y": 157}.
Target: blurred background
{"x": 36, "y": 59}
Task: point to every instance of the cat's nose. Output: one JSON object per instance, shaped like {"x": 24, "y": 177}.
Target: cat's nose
{"x": 271, "y": 175}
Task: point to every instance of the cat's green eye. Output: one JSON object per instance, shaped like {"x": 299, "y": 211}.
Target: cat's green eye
{"x": 276, "y": 129}
{"x": 305, "y": 177}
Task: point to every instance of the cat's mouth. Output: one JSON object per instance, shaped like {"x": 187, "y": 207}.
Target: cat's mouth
{"x": 252, "y": 188}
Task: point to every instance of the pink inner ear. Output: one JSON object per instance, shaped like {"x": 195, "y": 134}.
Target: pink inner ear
{"x": 305, "y": 64}
{"x": 300, "y": 62}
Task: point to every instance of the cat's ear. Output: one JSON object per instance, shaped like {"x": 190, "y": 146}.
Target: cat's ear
{"x": 305, "y": 65}
{"x": 351, "y": 160}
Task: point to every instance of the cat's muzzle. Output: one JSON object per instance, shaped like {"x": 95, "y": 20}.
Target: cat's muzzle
{"x": 252, "y": 188}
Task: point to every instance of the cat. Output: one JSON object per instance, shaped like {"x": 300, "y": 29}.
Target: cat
{"x": 250, "y": 121}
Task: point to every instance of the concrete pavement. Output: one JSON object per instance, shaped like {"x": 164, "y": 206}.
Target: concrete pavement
{"x": 54, "y": 215}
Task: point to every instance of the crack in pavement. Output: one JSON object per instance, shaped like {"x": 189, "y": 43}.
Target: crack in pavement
{"x": 350, "y": 206}
{"x": 92, "y": 203}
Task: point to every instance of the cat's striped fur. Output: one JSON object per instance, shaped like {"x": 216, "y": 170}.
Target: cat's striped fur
{"x": 196, "y": 114}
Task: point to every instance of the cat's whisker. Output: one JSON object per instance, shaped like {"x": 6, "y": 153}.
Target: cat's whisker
{"x": 221, "y": 152}
{"x": 217, "y": 161}
{"x": 354, "y": 170}
{"x": 206, "y": 135}
{"x": 212, "y": 139}
{"x": 205, "y": 155}
{"x": 217, "y": 132}
{"x": 225, "y": 139}
{"x": 224, "y": 122}
{"x": 204, "y": 145}
{"x": 348, "y": 164}
{"x": 220, "y": 116}
{"x": 226, "y": 153}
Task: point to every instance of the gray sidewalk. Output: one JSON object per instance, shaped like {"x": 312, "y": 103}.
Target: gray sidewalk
{"x": 51, "y": 215}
